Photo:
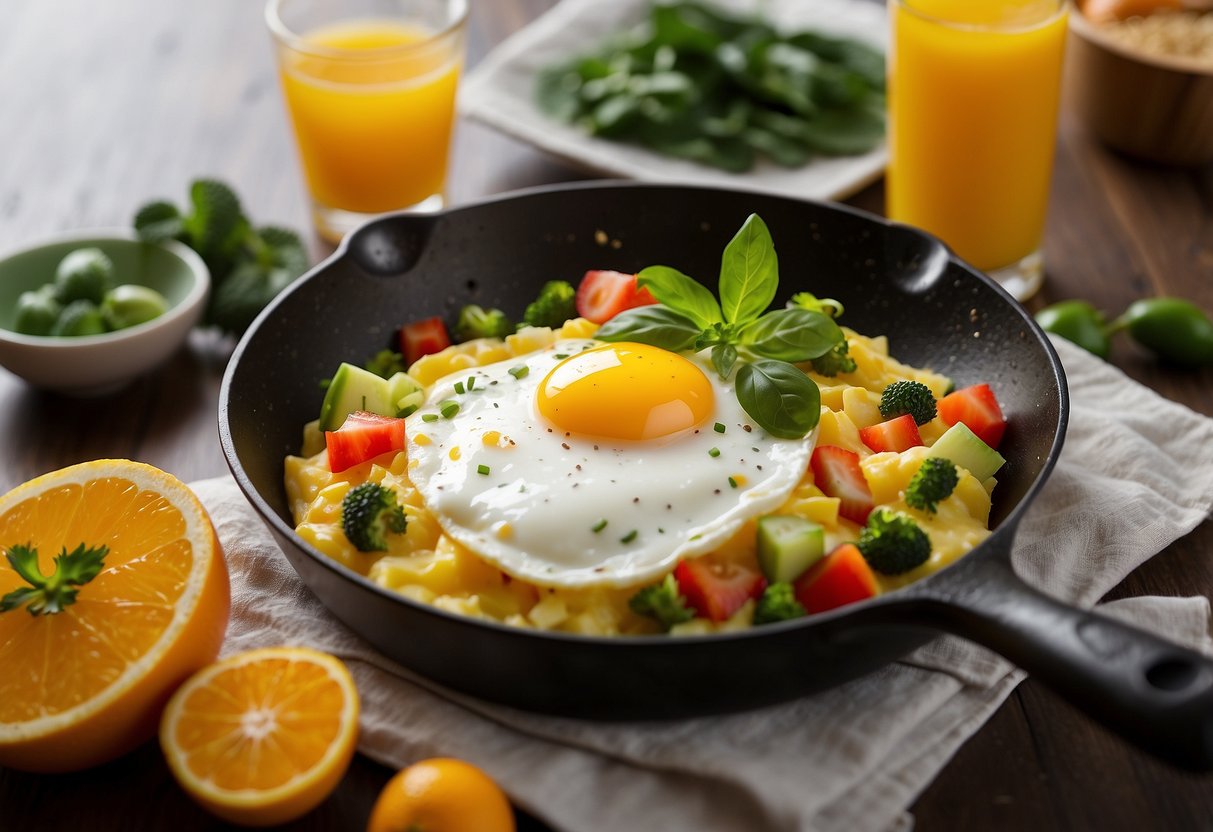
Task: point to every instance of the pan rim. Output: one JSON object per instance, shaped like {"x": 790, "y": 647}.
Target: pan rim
{"x": 1003, "y": 533}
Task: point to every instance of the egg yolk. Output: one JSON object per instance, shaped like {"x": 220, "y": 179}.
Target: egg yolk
{"x": 625, "y": 391}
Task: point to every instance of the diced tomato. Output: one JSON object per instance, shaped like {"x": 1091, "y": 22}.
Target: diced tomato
{"x": 362, "y": 436}
{"x": 604, "y": 294}
{"x": 898, "y": 435}
{"x": 717, "y": 590}
{"x": 423, "y": 338}
{"x": 841, "y": 577}
{"x": 978, "y": 409}
{"x": 837, "y": 473}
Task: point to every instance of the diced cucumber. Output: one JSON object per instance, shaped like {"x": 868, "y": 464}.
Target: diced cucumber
{"x": 963, "y": 447}
{"x": 354, "y": 388}
{"x": 788, "y": 545}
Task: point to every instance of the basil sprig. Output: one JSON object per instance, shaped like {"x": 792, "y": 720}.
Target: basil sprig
{"x": 779, "y": 397}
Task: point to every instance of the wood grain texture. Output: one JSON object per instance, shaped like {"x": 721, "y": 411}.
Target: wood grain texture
{"x": 105, "y": 105}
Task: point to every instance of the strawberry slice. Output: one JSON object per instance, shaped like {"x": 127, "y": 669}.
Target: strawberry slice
{"x": 977, "y": 407}
{"x": 842, "y": 577}
{"x": 603, "y": 294}
{"x": 898, "y": 435}
{"x": 717, "y": 590}
{"x": 837, "y": 473}
{"x": 423, "y": 338}
{"x": 362, "y": 436}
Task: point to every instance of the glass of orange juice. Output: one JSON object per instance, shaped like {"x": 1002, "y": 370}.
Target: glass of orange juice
{"x": 973, "y": 99}
{"x": 370, "y": 89}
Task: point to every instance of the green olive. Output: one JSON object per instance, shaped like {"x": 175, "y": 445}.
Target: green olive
{"x": 36, "y": 311}
{"x": 1174, "y": 329}
{"x": 129, "y": 305}
{"x": 80, "y": 317}
{"x": 1077, "y": 321}
{"x": 84, "y": 274}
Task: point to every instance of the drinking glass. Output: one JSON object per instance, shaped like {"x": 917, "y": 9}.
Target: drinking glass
{"x": 973, "y": 99}
{"x": 370, "y": 89}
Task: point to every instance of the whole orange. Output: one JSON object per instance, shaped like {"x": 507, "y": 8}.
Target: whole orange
{"x": 441, "y": 795}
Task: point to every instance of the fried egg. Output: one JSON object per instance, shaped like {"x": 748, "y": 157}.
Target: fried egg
{"x": 590, "y": 463}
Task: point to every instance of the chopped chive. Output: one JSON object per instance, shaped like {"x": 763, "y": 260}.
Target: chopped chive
{"x": 459, "y": 388}
{"x": 408, "y": 411}
{"x": 732, "y": 483}
{"x": 562, "y": 355}
{"x": 520, "y": 371}
{"x": 429, "y": 417}
{"x": 448, "y": 408}
{"x": 714, "y": 452}
{"x": 599, "y": 526}
{"x": 471, "y": 382}
{"x": 629, "y": 537}
{"x": 718, "y": 427}
{"x": 483, "y": 470}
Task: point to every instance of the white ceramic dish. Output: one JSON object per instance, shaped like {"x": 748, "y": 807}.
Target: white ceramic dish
{"x": 500, "y": 92}
{"x": 96, "y": 364}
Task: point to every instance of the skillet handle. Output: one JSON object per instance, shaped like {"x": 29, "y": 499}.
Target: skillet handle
{"x": 1153, "y": 692}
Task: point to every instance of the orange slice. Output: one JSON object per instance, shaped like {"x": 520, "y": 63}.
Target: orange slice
{"x": 262, "y": 737}
{"x": 86, "y": 684}
{"x": 441, "y": 795}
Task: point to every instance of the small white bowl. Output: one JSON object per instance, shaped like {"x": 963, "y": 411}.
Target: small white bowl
{"x": 91, "y": 365}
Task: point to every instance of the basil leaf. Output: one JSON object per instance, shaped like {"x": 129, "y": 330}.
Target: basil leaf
{"x": 792, "y": 335}
{"x": 749, "y": 272}
{"x": 654, "y": 325}
{"x": 724, "y": 356}
{"x": 780, "y": 398}
{"x": 683, "y": 294}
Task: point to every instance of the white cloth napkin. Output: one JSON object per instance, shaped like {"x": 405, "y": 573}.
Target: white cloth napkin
{"x": 1136, "y": 474}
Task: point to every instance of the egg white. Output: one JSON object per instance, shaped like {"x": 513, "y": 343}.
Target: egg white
{"x": 535, "y": 508}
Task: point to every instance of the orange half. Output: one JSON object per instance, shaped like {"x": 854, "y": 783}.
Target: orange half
{"x": 87, "y": 684}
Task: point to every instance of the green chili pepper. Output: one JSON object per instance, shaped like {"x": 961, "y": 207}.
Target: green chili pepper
{"x": 1077, "y": 321}
{"x": 1174, "y": 329}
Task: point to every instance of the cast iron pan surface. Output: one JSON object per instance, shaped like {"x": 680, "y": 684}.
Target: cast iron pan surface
{"x": 893, "y": 280}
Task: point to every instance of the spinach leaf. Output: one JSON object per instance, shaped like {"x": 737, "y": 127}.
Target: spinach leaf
{"x": 749, "y": 272}
{"x": 781, "y": 399}
{"x": 655, "y": 325}
{"x": 683, "y": 294}
{"x": 792, "y": 335}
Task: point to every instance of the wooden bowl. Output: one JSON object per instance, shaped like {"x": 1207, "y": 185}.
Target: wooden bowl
{"x": 1152, "y": 107}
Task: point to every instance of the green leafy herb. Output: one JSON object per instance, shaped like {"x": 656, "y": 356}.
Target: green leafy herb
{"x": 723, "y": 90}
{"x": 684, "y": 295}
{"x": 599, "y": 526}
{"x": 520, "y": 371}
{"x": 655, "y": 325}
{"x": 248, "y": 265}
{"x": 792, "y": 335}
{"x": 448, "y": 408}
{"x": 51, "y": 594}
{"x": 749, "y": 272}
{"x": 780, "y": 398}
{"x": 724, "y": 356}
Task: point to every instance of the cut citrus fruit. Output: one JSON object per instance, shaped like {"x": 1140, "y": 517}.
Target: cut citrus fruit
{"x": 441, "y": 795}
{"x": 113, "y": 589}
{"x": 262, "y": 737}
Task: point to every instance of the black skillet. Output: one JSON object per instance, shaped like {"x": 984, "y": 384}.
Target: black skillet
{"x": 937, "y": 312}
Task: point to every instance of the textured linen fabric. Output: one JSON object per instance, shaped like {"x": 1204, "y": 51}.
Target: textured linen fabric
{"x": 1136, "y": 474}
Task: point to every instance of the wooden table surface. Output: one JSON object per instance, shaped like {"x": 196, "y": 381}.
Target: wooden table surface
{"x": 106, "y": 105}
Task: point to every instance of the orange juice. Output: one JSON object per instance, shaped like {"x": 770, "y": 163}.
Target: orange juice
{"x": 372, "y": 103}
{"x": 973, "y": 99}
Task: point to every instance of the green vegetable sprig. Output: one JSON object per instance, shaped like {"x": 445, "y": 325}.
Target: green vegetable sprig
{"x": 762, "y": 345}
{"x": 722, "y": 90}
{"x": 49, "y": 594}
{"x": 248, "y": 265}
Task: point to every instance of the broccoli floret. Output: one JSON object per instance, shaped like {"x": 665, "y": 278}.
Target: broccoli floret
{"x": 386, "y": 363}
{"x": 778, "y": 603}
{"x": 663, "y": 602}
{"x": 554, "y": 305}
{"x": 826, "y": 306}
{"x": 893, "y": 543}
{"x": 368, "y": 512}
{"x": 912, "y": 397}
{"x": 477, "y": 322}
{"x": 835, "y": 361}
{"x": 934, "y": 481}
